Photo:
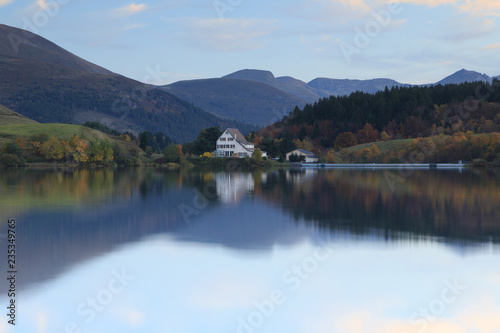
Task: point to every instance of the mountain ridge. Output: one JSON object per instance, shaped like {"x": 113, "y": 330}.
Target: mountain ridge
{"x": 257, "y": 96}
{"x": 46, "y": 83}
{"x": 18, "y": 43}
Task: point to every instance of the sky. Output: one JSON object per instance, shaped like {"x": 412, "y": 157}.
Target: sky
{"x": 160, "y": 42}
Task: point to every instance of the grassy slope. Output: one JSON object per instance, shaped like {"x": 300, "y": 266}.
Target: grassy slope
{"x": 383, "y": 146}
{"x": 61, "y": 131}
{"x": 9, "y": 117}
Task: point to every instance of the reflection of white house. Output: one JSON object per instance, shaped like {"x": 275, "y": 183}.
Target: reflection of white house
{"x": 233, "y": 144}
{"x": 309, "y": 156}
{"x": 232, "y": 187}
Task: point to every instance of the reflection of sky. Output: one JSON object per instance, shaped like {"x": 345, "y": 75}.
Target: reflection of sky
{"x": 206, "y": 275}
{"x": 194, "y": 287}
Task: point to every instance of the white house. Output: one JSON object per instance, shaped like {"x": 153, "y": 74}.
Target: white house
{"x": 309, "y": 156}
{"x": 233, "y": 144}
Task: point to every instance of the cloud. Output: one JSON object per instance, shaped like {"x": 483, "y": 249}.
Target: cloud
{"x": 5, "y": 2}
{"x": 481, "y": 8}
{"x": 473, "y": 30}
{"x": 355, "y": 5}
{"x": 42, "y": 4}
{"x": 336, "y": 12}
{"x": 128, "y": 10}
{"x": 428, "y": 3}
{"x": 225, "y": 35}
{"x": 471, "y": 7}
{"x": 492, "y": 47}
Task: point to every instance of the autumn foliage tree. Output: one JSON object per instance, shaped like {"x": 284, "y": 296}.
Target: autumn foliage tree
{"x": 100, "y": 152}
{"x": 78, "y": 150}
{"x": 345, "y": 140}
{"x": 367, "y": 134}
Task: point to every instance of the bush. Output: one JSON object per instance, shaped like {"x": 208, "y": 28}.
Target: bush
{"x": 170, "y": 154}
{"x": 12, "y": 160}
{"x": 297, "y": 158}
{"x": 12, "y": 148}
{"x": 257, "y": 157}
{"x": 479, "y": 163}
{"x": 393, "y": 160}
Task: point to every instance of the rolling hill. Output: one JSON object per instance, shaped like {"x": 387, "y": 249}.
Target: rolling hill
{"x": 48, "y": 84}
{"x": 241, "y": 99}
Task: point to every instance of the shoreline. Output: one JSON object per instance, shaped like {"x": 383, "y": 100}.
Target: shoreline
{"x": 173, "y": 166}
{"x": 384, "y": 166}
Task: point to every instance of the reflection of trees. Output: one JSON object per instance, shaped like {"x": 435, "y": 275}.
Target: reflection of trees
{"x": 439, "y": 203}
{"x": 65, "y": 217}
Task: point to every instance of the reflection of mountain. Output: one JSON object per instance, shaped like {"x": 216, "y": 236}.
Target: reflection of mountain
{"x": 65, "y": 218}
{"x": 76, "y": 216}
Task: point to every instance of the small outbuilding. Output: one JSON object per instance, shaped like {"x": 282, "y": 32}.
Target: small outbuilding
{"x": 309, "y": 157}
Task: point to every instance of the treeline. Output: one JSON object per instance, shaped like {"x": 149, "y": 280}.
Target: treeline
{"x": 396, "y": 113}
{"x": 476, "y": 148}
{"x": 42, "y": 148}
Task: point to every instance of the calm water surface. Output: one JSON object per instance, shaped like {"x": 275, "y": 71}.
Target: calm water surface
{"x": 282, "y": 251}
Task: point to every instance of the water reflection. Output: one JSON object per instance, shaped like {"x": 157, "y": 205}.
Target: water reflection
{"x": 67, "y": 217}
{"x": 210, "y": 245}
{"x": 443, "y": 203}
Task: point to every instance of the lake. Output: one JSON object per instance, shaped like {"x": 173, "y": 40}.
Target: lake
{"x": 281, "y": 251}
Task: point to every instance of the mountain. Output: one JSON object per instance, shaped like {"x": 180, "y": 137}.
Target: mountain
{"x": 21, "y": 44}
{"x": 288, "y": 84}
{"x": 258, "y": 97}
{"x": 327, "y": 87}
{"x": 9, "y": 117}
{"x": 299, "y": 88}
{"x": 245, "y": 100}
{"x": 48, "y": 84}
{"x": 465, "y": 76}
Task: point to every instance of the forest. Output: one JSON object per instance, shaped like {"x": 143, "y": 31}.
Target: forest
{"x": 336, "y": 123}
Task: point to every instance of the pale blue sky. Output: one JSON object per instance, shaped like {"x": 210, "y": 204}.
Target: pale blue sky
{"x": 166, "y": 41}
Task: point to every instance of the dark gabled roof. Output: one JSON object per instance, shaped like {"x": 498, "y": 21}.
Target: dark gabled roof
{"x": 238, "y": 136}
{"x": 304, "y": 151}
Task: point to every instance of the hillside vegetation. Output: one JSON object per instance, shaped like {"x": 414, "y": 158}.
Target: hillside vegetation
{"x": 60, "y": 131}
{"x": 34, "y": 142}
{"x": 447, "y": 114}
{"x": 50, "y": 85}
